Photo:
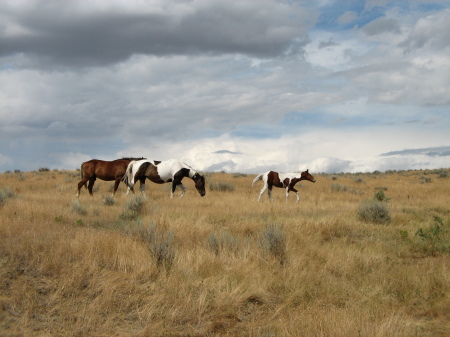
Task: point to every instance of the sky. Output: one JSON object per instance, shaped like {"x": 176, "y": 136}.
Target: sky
{"x": 237, "y": 86}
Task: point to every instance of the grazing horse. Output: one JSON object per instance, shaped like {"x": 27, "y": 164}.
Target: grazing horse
{"x": 161, "y": 172}
{"x": 285, "y": 180}
{"x": 104, "y": 170}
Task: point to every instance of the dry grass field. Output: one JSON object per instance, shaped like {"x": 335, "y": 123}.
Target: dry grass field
{"x": 338, "y": 263}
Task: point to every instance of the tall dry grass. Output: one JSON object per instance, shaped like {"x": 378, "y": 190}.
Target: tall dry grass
{"x": 225, "y": 264}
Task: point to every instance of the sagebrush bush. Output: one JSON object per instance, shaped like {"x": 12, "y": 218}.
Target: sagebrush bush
{"x": 221, "y": 186}
{"x": 6, "y": 194}
{"x": 273, "y": 240}
{"x": 78, "y": 208}
{"x": 223, "y": 242}
{"x": 159, "y": 243}
{"x": 338, "y": 188}
{"x": 108, "y": 200}
{"x": 133, "y": 207}
{"x": 374, "y": 211}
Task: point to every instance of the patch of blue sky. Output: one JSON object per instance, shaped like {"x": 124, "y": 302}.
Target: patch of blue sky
{"x": 331, "y": 17}
{"x": 324, "y": 119}
{"x": 207, "y": 133}
{"x": 258, "y": 131}
{"x": 358, "y": 14}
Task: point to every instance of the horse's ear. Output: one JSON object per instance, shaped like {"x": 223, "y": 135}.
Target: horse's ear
{"x": 307, "y": 171}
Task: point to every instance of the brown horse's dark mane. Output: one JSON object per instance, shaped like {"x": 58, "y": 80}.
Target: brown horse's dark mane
{"x": 131, "y": 158}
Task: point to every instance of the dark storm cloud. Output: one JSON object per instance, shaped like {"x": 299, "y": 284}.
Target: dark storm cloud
{"x": 66, "y": 34}
{"x": 442, "y": 151}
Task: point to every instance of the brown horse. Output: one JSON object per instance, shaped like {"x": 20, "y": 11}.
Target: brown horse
{"x": 104, "y": 170}
{"x": 284, "y": 180}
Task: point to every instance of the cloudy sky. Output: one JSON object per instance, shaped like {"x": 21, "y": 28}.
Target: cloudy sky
{"x": 236, "y": 86}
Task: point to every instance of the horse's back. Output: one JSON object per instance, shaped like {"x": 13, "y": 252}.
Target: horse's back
{"x": 167, "y": 168}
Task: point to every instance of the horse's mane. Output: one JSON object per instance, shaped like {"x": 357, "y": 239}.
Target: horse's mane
{"x": 132, "y": 158}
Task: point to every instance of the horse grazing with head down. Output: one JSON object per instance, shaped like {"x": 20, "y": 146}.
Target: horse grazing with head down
{"x": 161, "y": 172}
{"x": 283, "y": 180}
{"x": 104, "y": 170}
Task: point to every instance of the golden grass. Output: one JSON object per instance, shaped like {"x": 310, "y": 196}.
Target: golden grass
{"x": 85, "y": 268}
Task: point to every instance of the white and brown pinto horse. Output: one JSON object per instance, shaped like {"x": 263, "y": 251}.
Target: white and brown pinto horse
{"x": 283, "y": 180}
{"x": 161, "y": 172}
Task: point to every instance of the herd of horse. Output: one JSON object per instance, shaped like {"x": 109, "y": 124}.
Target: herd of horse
{"x": 131, "y": 170}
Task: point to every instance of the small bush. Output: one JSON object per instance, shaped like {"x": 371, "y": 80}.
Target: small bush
{"x": 221, "y": 186}
{"x": 6, "y": 194}
{"x": 159, "y": 244}
{"x": 44, "y": 169}
{"x": 273, "y": 240}
{"x": 223, "y": 242}
{"x": 380, "y": 196}
{"x": 78, "y": 208}
{"x": 133, "y": 208}
{"x": 108, "y": 200}
{"x": 443, "y": 173}
{"x": 374, "y": 211}
{"x": 424, "y": 180}
{"x": 435, "y": 238}
{"x": 338, "y": 188}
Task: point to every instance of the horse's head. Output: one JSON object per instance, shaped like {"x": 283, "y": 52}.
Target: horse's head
{"x": 307, "y": 176}
{"x": 199, "y": 183}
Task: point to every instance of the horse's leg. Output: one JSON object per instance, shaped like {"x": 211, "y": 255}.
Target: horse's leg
{"x": 142, "y": 187}
{"x": 262, "y": 191}
{"x": 80, "y": 185}
{"x": 172, "y": 190}
{"x": 116, "y": 185}
{"x": 183, "y": 189}
{"x": 293, "y": 190}
{"x": 91, "y": 185}
{"x": 269, "y": 191}
{"x": 287, "y": 193}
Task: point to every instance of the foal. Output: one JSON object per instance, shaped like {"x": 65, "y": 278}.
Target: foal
{"x": 285, "y": 180}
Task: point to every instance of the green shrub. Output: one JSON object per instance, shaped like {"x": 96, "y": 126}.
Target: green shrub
{"x": 380, "y": 196}
{"x": 374, "y": 211}
{"x": 435, "y": 238}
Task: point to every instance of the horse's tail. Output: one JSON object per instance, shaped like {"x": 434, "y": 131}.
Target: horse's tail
{"x": 128, "y": 173}
{"x": 81, "y": 174}
{"x": 258, "y": 177}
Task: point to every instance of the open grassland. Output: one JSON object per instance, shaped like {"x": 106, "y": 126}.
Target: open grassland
{"x": 224, "y": 264}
